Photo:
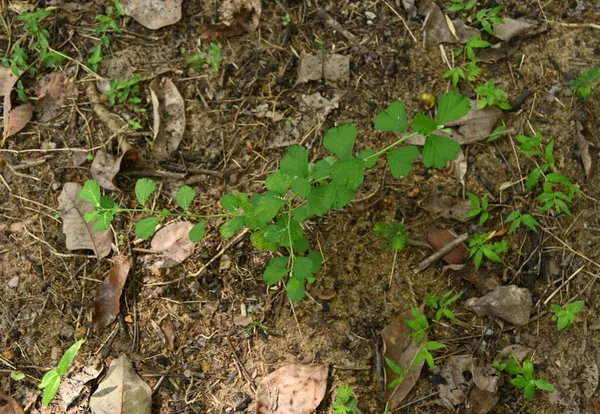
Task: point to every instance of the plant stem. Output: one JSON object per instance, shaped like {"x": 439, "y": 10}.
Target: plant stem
{"x": 389, "y": 147}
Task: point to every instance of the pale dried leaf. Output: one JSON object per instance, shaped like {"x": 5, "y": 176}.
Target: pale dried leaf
{"x": 153, "y": 14}
{"x": 7, "y": 81}
{"x": 79, "y": 234}
{"x": 173, "y": 241}
{"x": 104, "y": 169}
{"x": 441, "y": 205}
{"x": 8, "y": 405}
{"x": 476, "y": 125}
{"x": 454, "y": 391}
{"x": 401, "y": 348}
{"x": 72, "y": 385}
{"x": 589, "y": 378}
{"x": 589, "y": 155}
{"x": 108, "y": 296}
{"x": 511, "y": 303}
{"x": 331, "y": 67}
{"x": 18, "y": 118}
{"x": 293, "y": 389}
{"x": 122, "y": 391}
{"x": 169, "y": 117}
{"x": 436, "y": 27}
{"x": 486, "y": 377}
{"x": 54, "y": 91}
{"x": 237, "y": 17}
{"x": 460, "y": 166}
{"x": 481, "y": 401}
{"x": 512, "y": 28}
{"x": 520, "y": 352}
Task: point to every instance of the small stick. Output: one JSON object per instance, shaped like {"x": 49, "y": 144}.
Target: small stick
{"x": 335, "y": 25}
{"x": 439, "y": 254}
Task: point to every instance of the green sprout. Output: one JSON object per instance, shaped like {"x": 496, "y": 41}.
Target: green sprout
{"x": 523, "y": 377}
{"x": 480, "y": 248}
{"x": 125, "y": 91}
{"x": 459, "y": 6}
{"x": 51, "y": 381}
{"x": 566, "y": 316}
{"x": 490, "y": 96}
{"x": 455, "y": 74}
{"x": 516, "y": 217}
{"x": 485, "y": 17}
{"x": 392, "y": 233}
{"x": 212, "y": 58}
{"x": 478, "y": 208}
{"x": 442, "y": 303}
{"x": 285, "y": 19}
{"x": 107, "y": 24}
{"x": 345, "y": 401}
{"x": 584, "y": 83}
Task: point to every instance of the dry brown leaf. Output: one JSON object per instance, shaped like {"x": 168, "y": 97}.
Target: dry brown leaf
{"x": 520, "y": 352}
{"x": 330, "y": 67}
{"x": 511, "y": 303}
{"x": 79, "y": 234}
{"x": 484, "y": 280}
{"x": 169, "y": 332}
{"x": 169, "y": 117}
{"x": 441, "y": 205}
{"x": 108, "y": 296}
{"x": 589, "y": 155}
{"x": 400, "y": 347}
{"x": 7, "y": 81}
{"x": 105, "y": 167}
{"x": 293, "y": 389}
{"x": 54, "y": 91}
{"x": 237, "y": 17}
{"x": 481, "y": 401}
{"x": 476, "y": 125}
{"x": 439, "y": 238}
{"x": 122, "y": 391}
{"x": 173, "y": 241}
{"x": 512, "y": 28}
{"x": 9, "y": 405}
{"x": 436, "y": 27}
{"x": 153, "y": 14}
{"x": 454, "y": 391}
{"x": 72, "y": 385}
{"x": 18, "y": 117}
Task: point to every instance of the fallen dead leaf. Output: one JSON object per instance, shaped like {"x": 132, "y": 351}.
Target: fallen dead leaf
{"x": 122, "y": 391}
{"x": 441, "y": 205}
{"x": 7, "y": 81}
{"x": 169, "y": 332}
{"x": 459, "y": 166}
{"x": 520, "y": 352}
{"x": 173, "y": 243}
{"x": 511, "y": 303}
{"x": 453, "y": 392}
{"x": 436, "y": 28}
{"x": 438, "y": 238}
{"x": 484, "y": 280}
{"x": 79, "y": 234}
{"x": 293, "y": 389}
{"x": 169, "y": 117}
{"x": 72, "y": 385}
{"x": 105, "y": 167}
{"x": 16, "y": 118}
{"x": 589, "y": 154}
{"x": 153, "y": 14}
{"x": 331, "y": 67}
{"x": 589, "y": 378}
{"x": 512, "y": 28}
{"x": 54, "y": 91}
{"x": 476, "y": 125}
{"x": 400, "y": 347}
{"x": 481, "y": 401}
{"x": 108, "y": 296}
{"x": 238, "y": 17}
{"x": 485, "y": 377}
{"x": 8, "y": 405}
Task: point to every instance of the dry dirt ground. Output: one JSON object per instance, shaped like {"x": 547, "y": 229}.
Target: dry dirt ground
{"x": 216, "y": 362}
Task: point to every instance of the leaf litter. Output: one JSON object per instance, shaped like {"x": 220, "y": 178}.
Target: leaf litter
{"x": 173, "y": 243}
{"x": 54, "y": 92}
{"x": 169, "y": 117}
{"x": 511, "y": 303}
{"x": 108, "y": 296}
{"x": 237, "y": 17}
{"x": 153, "y": 14}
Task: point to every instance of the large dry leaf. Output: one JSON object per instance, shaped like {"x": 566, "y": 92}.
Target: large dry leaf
{"x": 481, "y": 401}
{"x": 589, "y": 154}
{"x": 439, "y": 238}
{"x": 316, "y": 66}
{"x": 106, "y": 305}
{"x": 173, "y": 242}
{"x": 441, "y": 205}
{"x": 437, "y": 29}
{"x": 153, "y": 14}
{"x": 169, "y": 117}
{"x": 513, "y": 28}
{"x": 73, "y": 385}
{"x": 7, "y": 81}
{"x": 453, "y": 391}
{"x": 79, "y": 234}
{"x": 105, "y": 167}
{"x": 476, "y": 125}
{"x": 9, "y": 405}
{"x": 511, "y": 303}
{"x": 401, "y": 348}
{"x": 293, "y": 389}
{"x": 237, "y": 17}
{"x": 17, "y": 117}
{"x": 122, "y": 391}
{"x": 54, "y": 90}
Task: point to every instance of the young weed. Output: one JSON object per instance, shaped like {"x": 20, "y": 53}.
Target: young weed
{"x": 566, "y": 316}
{"x": 523, "y": 377}
{"x": 125, "y": 92}
{"x": 345, "y": 401}
{"x": 107, "y": 24}
{"x": 486, "y": 17}
{"x": 490, "y": 96}
{"x": 478, "y": 208}
{"x": 286, "y": 19}
{"x": 392, "y": 233}
{"x": 455, "y": 74}
{"x": 442, "y": 303}
{"x": 212, "y": 58}
{"x": 480, "y": 248}
{"x": 459, "y": 6}
{"x": 584, "y": 83}
{"x": 516, "y": 217}
{"x": 51, "y": 381}
{"x": 420, "y": 326}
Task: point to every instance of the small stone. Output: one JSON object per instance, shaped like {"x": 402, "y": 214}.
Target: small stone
{"x": 14, "y": 282}
{"x": 67, "y": 332}
{"x": 370, "y": 15}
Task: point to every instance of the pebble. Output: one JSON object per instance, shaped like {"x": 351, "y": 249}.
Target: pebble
{"x": 370, "y": 15}
{"x": 14, "y": 282}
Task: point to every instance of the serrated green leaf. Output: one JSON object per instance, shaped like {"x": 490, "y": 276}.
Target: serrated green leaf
{"x": 317, "y": 200}
{"x": 301, "y": 186}
{"x": 338, "y": 196}
{"x": 268, "y": 207}
{"x": 437, "y": 151}
{"x": 302, "y": 268}
{"x": 340, "y": 140}
{"x": 317, "y": 260}
{"x": 68, "y": 357}
{"x": 197, "y": 232}
{"x": 91, "y": 193}
{"x": 144, "y": 189}
{"x": 348, "y": 173}
{"x": 103, "y": 220}
{"x": 295, "y": 162}
{"x": 91, "y": 215}
{"x": 279, "y": 182}
{"x": 393, "y": 118}
{"x": 423, "y": 124}
{"x": 229, "y": 202}
{"x": 107, "y": 203}
{"x": 303, "y": 212}
{"x": 276, "y": 270}
{"x": 452, "y": 106}
{"x": 321, "y": 169}
{"x": 229, "y": 228}
{"x": 184, "y": 197}
{"x": 400, "y": 160}
{"x": 259, "y": 241}
{"x": 295, "y": 289}
{"x": 368, "y": 157}
{"x": 145, "y": 228}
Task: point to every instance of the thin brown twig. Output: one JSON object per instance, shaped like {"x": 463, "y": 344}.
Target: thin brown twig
{"x": 439, "y": 254}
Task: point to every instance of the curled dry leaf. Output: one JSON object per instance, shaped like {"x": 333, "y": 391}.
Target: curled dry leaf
{"x": 8, "y": 405}
{"x": 79, "y": 234}
{"x": 330, "y": 67}
{"x": 173, "y": 242}
{"x": 17, "y": 117}
{"x": 520, "y": 352}
{"x": 153, "y": 14}
{"x": 436, "y": 27}
{"x": 481, "y": 401}
{"x": 108, "y": 296}
{"x": 400, "y": 347}
{"x": 511, "y": 303}
{"x": 122, "y": 391}
{"x": 72, "y": 385}
{"x": 512, "y": 28}
{"x": 7, "y": 81}
{"x": 441, "y": 205}
{"x": 293, "y": 389}
{"x": 476, "y": 125}
{"x": 169, "y": 117}
{"x": 169, "y": 332}
{"x": 237, "y": 17}
{"x": 439, "y": 238}
{"x": 54, "y": 91}
{"x": 454, "y": 391}
{"x": 589, "y": 155}
{"x": 105, "y": 167}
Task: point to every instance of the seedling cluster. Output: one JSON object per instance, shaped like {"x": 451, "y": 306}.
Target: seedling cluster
{"x": 51, "y": 381}
{"x": 568, "y": 315}
{"x": 345, "y": 401}
{"x": 522, "y": 377}
{"x": 107, "y": 25}
{"x": 212, "y": 58}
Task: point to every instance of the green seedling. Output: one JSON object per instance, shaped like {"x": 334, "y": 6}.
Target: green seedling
{"x": 455, "y": 74}
{"x": 392, "y": 233}
{"x": 345, "y": 401}
{"x": 135, "y": 125}
{"x": 285, "y": 19}
{"x": 478, "y": 208}
{"x": 584, "y": 83}
{"x": 400, "y": 373}
{"x": 107, "y": 24}
{"x": 40, "y": 36}
{"x": 486, "y": 17}
{"x": 51, "y": 381}
{"x": 459, "y": 6}
{"x": 125, "y": 91}
{"x": 298, "y": 191}
{"x": 18, "y": 61}
{"x": 442, "y": 303}
{"x": 21, "y": 92}
{"x": 17, "y": 375}
{"x": 566, "y": 316}
{"x": 516, "y": 217}
{"x": 523, "y": 377}
{"x": 212, "y": 58}
{"x": 490, "y": 96}
{"x": 497, "y": 133}
{"x": 420, "y": 326}
{"x": 480, "y": 248}
{"x": 475, "y": 42}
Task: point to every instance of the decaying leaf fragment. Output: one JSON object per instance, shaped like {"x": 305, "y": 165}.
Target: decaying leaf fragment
{"x": 106, "y": 305}
{"x": 153, "y": 14}
{"x": 169, "y": 117}
{"x": 589, "y": 154}
{"x": 237, "y": 17}
{"x": 511, "y": 303}
{"x": 330, "y": 67}
{"x": 9, "y": 405}
{"x": 297, "y": 389}
{"x": 438, "y": 238}
{"x": 122, "y": 391}
{"x": 441, "y": 205}
{"x": 55, "y": 91}
{"x": 173, "y": 241}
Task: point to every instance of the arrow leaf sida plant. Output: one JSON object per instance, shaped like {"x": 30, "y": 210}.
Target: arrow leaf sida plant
{"x": 299, "y": 190}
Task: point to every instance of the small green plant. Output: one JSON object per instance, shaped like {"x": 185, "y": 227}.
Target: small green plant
{"x": 18, "y": 61}
{"x": 392, "y": 233}
{"x": 490, "y": 96}
{"x": 299, "y": 190}
{"x": 474, "y": 42}
{"x": 566, "y": 316}
{"x": 40, "y": 36}
{"x": 125, "y": 91}
{"x": 212, "y": 58}
{"x": 523, "y": 377}
{"x": 51, "y": 381}
{"x": 455, "y": 74}
{"x": 478, "y": 208}
{"x": 480, "y": 248}
{"x": 345, "y": 401}
{"x": 485, "y": 17}
{"x": 285, "y": 19}
{"x": 21, "y": 92}
{"x": 584, "y": 83}
{"x": 516, "y": 217}
{"x": 497, "y": 133}
{"x": 107, "y": 24}
{"x": 459, "y": 6}
{"x": 442, "y": 303}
